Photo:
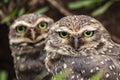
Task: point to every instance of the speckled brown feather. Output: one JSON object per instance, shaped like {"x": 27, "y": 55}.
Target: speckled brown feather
{"x": 29, "y": 54}
{"x": 95, "y": 53}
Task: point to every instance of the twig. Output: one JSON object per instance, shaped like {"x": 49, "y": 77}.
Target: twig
{"x": 59, "y": 7}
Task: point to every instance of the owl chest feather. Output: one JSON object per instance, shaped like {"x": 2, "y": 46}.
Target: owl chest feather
{"x": 86, "y": 67}
{"x": 29, "y": 62}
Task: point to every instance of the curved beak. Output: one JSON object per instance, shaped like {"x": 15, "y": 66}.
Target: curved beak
{"x": 75, "y": 43}
{"x": 32, "y": 33}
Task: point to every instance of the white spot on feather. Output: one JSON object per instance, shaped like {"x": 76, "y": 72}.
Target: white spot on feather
{"x": 91, "y": 70}
{"x": 73, "y": 77}
{"x": 83, "y": 71}
{"x": 65, "y": 65}
{"x": 97, "y": 68}
{"x": 102, "y": 62}
{"x": 107, "y": 75}
{"x": 73, "y": 62}
{"x": 110, "y": 67}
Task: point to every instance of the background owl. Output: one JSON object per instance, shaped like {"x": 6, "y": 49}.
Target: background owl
{"x": 27, "y": 40}
{"x": 83, "y": 46}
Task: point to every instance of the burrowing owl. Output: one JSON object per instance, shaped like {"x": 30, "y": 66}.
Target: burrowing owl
{"x": 27, "y": 40}
{"x": 83, "y": 46}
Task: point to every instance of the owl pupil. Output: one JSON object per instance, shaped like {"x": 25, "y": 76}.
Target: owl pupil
{"x": 43, "y": 24}
{"x": 88, "y": 32}
{"x": 64, "y": 33}
{"x": 21, "y": 28}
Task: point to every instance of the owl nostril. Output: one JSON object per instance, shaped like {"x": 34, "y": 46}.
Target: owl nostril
{"x": 32, "y": 33}
{"x": 28, "y": 34}
{"x": 75, "y": 43}
{"x": 37, "y": 32}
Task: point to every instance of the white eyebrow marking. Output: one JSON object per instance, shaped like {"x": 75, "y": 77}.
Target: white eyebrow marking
{"x": 62, "y": 29}
{"x": 89, "y": 28}
{"x": 20, "y": 23}
{"x": 66, "y": 29}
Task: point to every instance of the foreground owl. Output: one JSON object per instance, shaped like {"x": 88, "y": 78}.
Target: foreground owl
{"x": 81, "y": 45}
{"x": 27, "y": 40}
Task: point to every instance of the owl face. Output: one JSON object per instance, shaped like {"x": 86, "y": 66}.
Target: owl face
{"x": 30, "y": 29}
{"x": 76, "y": 34}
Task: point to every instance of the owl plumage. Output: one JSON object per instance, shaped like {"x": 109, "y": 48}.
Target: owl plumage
{"x": 83, "y": 46}
{"x": 27, "y": 39}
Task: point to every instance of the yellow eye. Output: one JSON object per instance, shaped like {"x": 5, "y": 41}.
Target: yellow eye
{"x": 63, "y": 34}
{"x": 88, "y": 33}
{"x": 43, "y": 25}
{"x": 20, "y": 29}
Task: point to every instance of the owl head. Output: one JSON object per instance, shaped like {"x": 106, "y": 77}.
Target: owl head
{"x": 76, "y": 35}
{"x": 29, "y": 29}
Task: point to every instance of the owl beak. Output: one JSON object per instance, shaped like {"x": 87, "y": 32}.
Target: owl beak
{"x": 31, "y": 34}
{"x": 75, "y": 43}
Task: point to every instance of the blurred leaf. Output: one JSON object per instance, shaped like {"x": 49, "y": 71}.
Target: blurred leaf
{"x": 83, "y": 3}
{"x": 62, "y": 75}
{"x": 6, "y": 20}
{"x": 6, "y": 1}
{"x": 102, "y": 9}
{"x": 21, "y": 11}
{"x": 79, "y": 4}
{"x": 42, "y": 10}
{"x": 14, "y": 12}
{"x": 97, "y": 76}
{"x": 3, "y": 75}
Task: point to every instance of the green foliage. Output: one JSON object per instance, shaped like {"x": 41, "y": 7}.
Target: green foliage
{"x": 42, "y": 10}
{"x": 10, "y": 10}
{"x": 20, "y": 11}
{"x": 6, "y": 1}
{"x": 91, "y": 4}
{"x": 84, "y": 3}
{"x": 14, "y": 13}
{"x": 66, "y": 73}
{"x": 102, "y": 9}
{"x": 62, "y": 75}
{"x": 3, "y": 75}
{"x": 16, "y": 9}
{"x": 97, "y": 76}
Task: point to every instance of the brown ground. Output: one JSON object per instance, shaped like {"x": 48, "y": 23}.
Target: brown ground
{"x": 110, "y": 19}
